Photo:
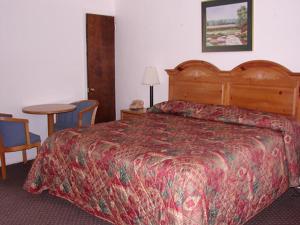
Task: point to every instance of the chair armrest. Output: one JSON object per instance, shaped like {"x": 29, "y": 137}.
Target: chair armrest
{"x": 17, "y": 120}
{"x": 92, "y": 109}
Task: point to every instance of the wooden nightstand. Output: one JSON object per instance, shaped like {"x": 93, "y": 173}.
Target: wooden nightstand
{"x": 132, "y": 114}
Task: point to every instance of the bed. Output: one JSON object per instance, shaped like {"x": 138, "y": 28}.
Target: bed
{"x": 223, "y": 148}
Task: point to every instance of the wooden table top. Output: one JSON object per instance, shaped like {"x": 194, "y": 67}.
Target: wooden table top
{"x": 48, "y": 108}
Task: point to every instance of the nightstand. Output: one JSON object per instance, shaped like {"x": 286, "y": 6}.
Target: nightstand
{"x": 127, "y": 114}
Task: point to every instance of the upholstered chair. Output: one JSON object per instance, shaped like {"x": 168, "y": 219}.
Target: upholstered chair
{"x": 82, "y": 116}
{"x": 15, "y": 136}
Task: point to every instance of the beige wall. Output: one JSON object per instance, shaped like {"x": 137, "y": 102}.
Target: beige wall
{"x": 43, "y": 55}
{"x": 42, "y": 47}
{"x": 164, "y": 33}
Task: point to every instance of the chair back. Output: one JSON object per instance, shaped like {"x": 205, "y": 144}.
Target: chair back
{"x": 12, "y": 132}
{"x": 66, "y": 119}
{"x": 82, "y": 116}
{"x": 15, "y": 136}
{"x": 85, "y": 112}
{"x": 5, "y": 115}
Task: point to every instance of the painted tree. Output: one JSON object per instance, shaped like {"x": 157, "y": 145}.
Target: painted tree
{"x": 242, "y": 23}
{"x": 242, "y": 16}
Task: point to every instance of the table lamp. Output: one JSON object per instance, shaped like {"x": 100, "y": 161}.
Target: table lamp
{"x": 151, "y": 78}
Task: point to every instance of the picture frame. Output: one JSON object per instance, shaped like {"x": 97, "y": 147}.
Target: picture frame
{"x": 227, "y": 25}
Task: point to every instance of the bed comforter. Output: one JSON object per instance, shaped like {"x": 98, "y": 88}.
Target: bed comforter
{"x": 182, "y": 164}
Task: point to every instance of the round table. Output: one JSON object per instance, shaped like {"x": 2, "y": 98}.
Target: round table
{"x": 49, "y": 110}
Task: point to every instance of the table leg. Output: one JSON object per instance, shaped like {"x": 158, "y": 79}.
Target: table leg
{"x": 50, "y": 124}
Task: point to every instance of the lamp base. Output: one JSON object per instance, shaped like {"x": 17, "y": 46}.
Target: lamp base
{"x": 151, "y": 96}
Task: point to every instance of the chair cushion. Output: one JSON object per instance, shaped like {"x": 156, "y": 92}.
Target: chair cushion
{"x": 34, "y": 138}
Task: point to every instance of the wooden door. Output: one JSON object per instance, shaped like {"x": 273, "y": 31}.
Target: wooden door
{"x": 100, "y": 36}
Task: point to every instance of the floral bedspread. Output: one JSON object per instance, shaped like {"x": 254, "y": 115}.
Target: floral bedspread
{"x": 182, "y": 164}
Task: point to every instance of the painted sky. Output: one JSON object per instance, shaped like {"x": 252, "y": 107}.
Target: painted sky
{"x": 223, "y": 11}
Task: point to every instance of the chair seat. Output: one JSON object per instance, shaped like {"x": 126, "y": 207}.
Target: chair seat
{"x": 34, "y": 138}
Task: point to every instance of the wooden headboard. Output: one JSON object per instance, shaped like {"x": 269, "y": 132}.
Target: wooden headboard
{"x": 261, "y": 85}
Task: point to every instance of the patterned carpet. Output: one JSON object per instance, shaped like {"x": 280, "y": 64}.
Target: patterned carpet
{"x": 21, "y": 208}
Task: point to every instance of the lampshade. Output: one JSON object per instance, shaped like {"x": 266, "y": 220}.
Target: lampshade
{"x": 150, "y": 76}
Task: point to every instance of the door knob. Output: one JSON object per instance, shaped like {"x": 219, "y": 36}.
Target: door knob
{"x": 91, "y": 89}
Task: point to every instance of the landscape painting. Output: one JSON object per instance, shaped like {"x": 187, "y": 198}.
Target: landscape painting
{"x": 227, "y": 25}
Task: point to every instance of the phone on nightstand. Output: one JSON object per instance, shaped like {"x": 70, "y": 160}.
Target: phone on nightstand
{"x": 137, "y": 104}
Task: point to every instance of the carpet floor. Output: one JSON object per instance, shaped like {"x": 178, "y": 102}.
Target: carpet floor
{"x": 21, "y": 208}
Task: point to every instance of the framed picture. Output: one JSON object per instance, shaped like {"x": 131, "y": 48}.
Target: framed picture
{"x": 227, "y": 25}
